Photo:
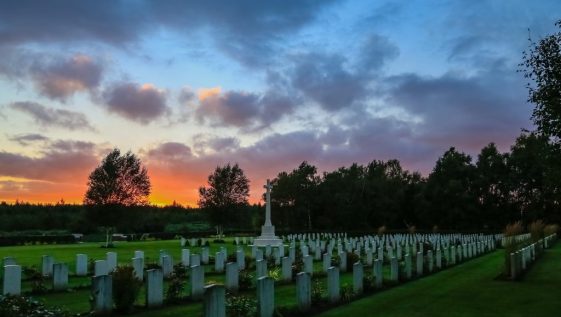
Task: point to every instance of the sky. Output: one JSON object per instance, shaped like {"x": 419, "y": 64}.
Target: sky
{"x": 191, "y": 85}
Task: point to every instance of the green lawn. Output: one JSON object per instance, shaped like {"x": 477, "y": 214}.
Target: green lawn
{"x": 470, "y": 289}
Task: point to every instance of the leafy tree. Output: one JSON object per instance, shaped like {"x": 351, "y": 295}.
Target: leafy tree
{"x": 227, "y": 193}
{"x": 542, "y": 65}
{"x": 450, "y": 192}
{"x": 294, "y": 194}
{"x": 119, "y": 180}
{"x": 491, "y": 186}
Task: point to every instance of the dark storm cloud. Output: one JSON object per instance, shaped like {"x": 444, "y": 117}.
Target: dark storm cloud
{"x": 140, "y": 103}
{"x": 246, "y": 30}
{"x": 50, "y": 117}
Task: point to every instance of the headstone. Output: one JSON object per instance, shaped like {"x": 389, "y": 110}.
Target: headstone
{"x": 111, "y": 261}
{"x": 47, "y": 265}
{"x": 394, "y": 270}
{"x": 260, "y": 268}
{"x": 292, "y": 254}
{"x": 265, "y": 296}
{"x": 304, "y": 291}
{"x": 326, "y": 262}
{"x": 138, "y": 268}
{"x": 408, "y": 269}
{"x": 309, "y": 264}
{"x": 240, "y": 259}
{"x": 195, "y": 259}
{"x": 154, "y": 288}
{"x": 358, "y": 275}
{"x": 100, "y": 268}
{"x": 167, "y": 265}
{"x": 419, "y": 260}
{"x": 232, "y": 277}
{"x": 81, "y": 264}
{"x": 286, "y": 268}
{"x": 12, "y": 280}
{"x": 369, "y": 258}
{"x": 333, "y": 287}
{"x": 185, "y": 257}
{"x": 214, "y": 303}
{"x": 204, "y": 255}
{"x": 218, "y": 262}
{"x": 197, "y": 279}
{"x": 139, "y": 254}
{"x": 102, "y": 294}
{"x": 430, "y": 260}
{"x": 60, "y": 276}
{"x": 378, "y": 272}
{"x": 343, "y": 261}
{"x": 438, "y": 259}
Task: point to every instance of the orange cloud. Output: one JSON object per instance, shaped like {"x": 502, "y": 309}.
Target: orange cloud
{"x": 205, "y": 93}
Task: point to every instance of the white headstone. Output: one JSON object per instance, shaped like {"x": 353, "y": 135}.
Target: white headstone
{"x": 81, "y": 264}
{"x": 154, "y": 288}
{"x": 12, "y": 280}
{"x": 214, "y": 303}
{"x": 60, "y": 276}
{"x": 265, "y": 296}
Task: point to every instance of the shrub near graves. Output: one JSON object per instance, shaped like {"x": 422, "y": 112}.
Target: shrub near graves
{"x": 352, "y": 258}
{"x": 37, "y": 280}
{"x": 176, "y": 284}
{"x": 369, "y": 283}
{"x": 241, "y": 306}
{"x": 245, "y": 280}
{"x": 347, "y": 293}
{"x": 19, "y": 306}
{"x": 318, "y": 292}
{"x": 126, "y": 288}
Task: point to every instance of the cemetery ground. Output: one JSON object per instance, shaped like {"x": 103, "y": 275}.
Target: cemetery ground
{"x": 467, "y": 289}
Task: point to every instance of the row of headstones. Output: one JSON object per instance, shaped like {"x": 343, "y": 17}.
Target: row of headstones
{"x": 193, "y": 242}
{"x": 522, "y": 258}
{"x": 515, "y": 239}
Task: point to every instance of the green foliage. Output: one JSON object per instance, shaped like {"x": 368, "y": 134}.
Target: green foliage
{"x": 119, "y": 180}
{"x": 241, "y": 306}
{"x": 369, "y": 283}
{"x": 227, "y": 192}
{"x": 175, "y": 289}
{"x": 352, "y": 258}
{"x": 245, "y": 280}
{"x": 126, "y": 288}
{"x": 19, "y": 306}
{"x": 318, "y": 292}
{"x": 542, "y": 66}
{"x": 37, "y": 280}
{"x": 347, "y": 293}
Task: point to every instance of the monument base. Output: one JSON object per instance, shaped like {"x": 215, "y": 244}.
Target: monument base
{"x": 267, "y": 237}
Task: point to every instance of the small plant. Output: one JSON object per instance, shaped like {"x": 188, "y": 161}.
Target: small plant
{"x": 369, "y": 283}
{"x": 179, "y": 271}
{"x": 317, "y": 292}
{"x": 37, "y": 280}
{"x": 126, "y": 288}
{"x": 245, "y": 280}
{"x": 275, "y": 273}
{"x": 175, "y": 289}
{"x": 241, "y": 306}
{"x": 20, "y": 306}
{"x": 347, "y": 293}
{"x": 352, "y": 258}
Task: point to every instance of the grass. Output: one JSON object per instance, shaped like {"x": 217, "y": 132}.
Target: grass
{"x": 470, "y": 289}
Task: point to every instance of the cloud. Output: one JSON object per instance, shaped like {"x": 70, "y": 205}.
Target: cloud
{"x": 140, "y": 103}
{"x": 60, "y": 164}
{"x": 63, "y": 78}
{"x": 26, "y": 139}
{"x": 250, "y": 111}
{"x": 248, "y": 31}
{"x": 50, "y": 117}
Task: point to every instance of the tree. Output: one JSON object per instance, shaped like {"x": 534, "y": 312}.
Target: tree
{"x": 227, "y": 193}
{"x": 119, "y": 180}
{"x": 542, "y": 65}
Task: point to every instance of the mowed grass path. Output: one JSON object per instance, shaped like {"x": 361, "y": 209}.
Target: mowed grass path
{"x": 470, "y": 289}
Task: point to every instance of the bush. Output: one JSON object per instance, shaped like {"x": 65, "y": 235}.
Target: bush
{"x": 126, "y": 288}
{"x": 352, "y": 258}
{"x": 536, "y": 230}
{"x": 245, "y": 280}
{"x": 175, "y": 289}
{"x": 369, "y": 283}
{"x": 37, "y": 280}
{"x": 347, "y": 293}
{"x": 241, "y": 306}
{"x": 317, "y": 292}
{"x": 19, "y": 306}
{"x": 179, "y": 271}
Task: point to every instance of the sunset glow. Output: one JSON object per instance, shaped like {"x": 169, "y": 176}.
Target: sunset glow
{"x": 191, "y": 87}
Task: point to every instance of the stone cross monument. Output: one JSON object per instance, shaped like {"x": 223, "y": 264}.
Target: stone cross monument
{"x": 267, "y": 230}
